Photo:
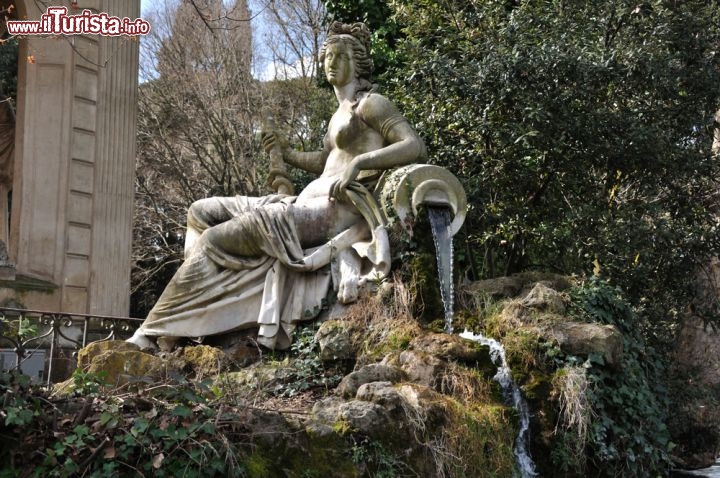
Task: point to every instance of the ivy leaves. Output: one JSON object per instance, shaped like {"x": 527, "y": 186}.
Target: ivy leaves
{"x": 165, "y": 430}
{"x": 629, "y": 436}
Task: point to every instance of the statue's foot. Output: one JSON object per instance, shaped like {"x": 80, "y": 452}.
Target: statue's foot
{"x": 348, "y": 290}
{"x": 167, "y": 344}
{"x": 349, "y": 276}
{"x": 142, "y": 341}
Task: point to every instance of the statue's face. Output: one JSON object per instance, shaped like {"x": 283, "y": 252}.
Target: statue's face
{"x": 339, "y": 64}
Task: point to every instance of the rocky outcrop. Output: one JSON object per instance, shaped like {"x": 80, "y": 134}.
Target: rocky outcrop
{"x": 452, "y": 347}
{"x": 516, "y": 285}
{"x": 205, "y": 361}
{"x": 86, "y": 355}
{"x": 375, "y": 393}
{"x": 368, "y": 374}
{"x": 583, "y": 339}
{"x": 338, "y": 340}
{"x": 116, "y": 363}
{"x": 406, "y": 400}
{"x": 541, "y": 310}
{"x": 542, "y": 297}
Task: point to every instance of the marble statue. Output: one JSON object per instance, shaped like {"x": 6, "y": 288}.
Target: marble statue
{"x": 263, "y": 262}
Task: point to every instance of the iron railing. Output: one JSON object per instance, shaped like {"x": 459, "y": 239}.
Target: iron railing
{"x": 28, "y": 331}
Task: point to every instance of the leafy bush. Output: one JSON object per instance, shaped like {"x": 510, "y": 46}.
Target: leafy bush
{"x": 9, "y": 68}
{"x": 167, "y": 430}
{"x": 628, "y": 435}
{"x": 581, "y": 132}
{"x": 307, "y": 371}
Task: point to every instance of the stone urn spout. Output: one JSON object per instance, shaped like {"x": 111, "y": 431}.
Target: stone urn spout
{"x": 406, "y": 189}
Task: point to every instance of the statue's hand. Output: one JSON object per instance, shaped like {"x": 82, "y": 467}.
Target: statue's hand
{"x": 338, "y": 190}
{"x": 277, "y": 148}
{"x": 272, "y": 141}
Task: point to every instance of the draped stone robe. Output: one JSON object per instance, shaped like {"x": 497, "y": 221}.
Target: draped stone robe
{"x": 274, "y": 286}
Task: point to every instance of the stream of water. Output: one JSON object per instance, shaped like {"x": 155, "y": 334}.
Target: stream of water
{"x": 711, "y": 472}
{"x": 440, "y": 221}
{"x": 513, "y": 396}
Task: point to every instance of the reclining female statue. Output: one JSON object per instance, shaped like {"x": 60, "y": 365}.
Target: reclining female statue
{"x": 261, "y": 261}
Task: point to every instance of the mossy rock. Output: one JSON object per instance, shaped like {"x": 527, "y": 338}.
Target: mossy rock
{"x": 496, "y": 288}
{"x": 538, "y": 388}
{"x": 546, "y": 435}
{"x": 584, "y": 339}
{"x": 453, "y": 347}
{"x": 411, "y": 429}
{"x": 258, "y": 377}
{"x": 338, "y": 340}
{"x": 118, "y": 367}
{"x": 205, "y": 361}
{"x": 86, "y": 354}
{"x": 350, "y": 384}
{"x": 287, "y": 447}
{"x": 465, "y": 319}
{"x": 461, "y": 440}
{"x": 312, "y": 455}
{"x": 418, "y": 269}
{"x": 483, "y": 438}
{"x": 117, "y": 362}
{"x": 508, "y": 287}
{"x": 420, "y": 272}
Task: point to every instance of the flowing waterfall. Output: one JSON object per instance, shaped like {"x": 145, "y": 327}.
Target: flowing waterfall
{"x": 512, "y": 395}
{"x": 440, "y": 221}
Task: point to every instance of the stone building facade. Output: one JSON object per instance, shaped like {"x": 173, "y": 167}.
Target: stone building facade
{"x": 66, "y": 207}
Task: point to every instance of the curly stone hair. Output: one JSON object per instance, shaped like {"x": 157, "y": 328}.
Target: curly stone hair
{"x": 357, "y": 36}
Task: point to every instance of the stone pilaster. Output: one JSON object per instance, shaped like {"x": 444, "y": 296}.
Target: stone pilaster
{"x": 115, "y": 168}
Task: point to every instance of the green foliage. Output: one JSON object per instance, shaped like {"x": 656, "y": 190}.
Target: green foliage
{"x": 17, "y": 410}
{"x": 307, "y": 371}
{"x": 88, "y": 383}
{"x": 20, "y": 328}
{"x": 581, "y": 132}
{"x": 628, "y": 435}
{"x": 9, "y": 68}
{"x": 377, "y": 15}
{"x": 168, "y": 431}
{"x": 379, "y": 461}
{"x": 564, "y": 456}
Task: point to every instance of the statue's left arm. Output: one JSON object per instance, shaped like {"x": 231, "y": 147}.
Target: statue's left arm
{"x": 403, "y": 145}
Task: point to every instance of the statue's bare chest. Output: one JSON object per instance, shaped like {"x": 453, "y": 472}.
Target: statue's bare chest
{"x": 347, "y": 131}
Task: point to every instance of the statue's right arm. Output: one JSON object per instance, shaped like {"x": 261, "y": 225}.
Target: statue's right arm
{"x": 311, "y": 161}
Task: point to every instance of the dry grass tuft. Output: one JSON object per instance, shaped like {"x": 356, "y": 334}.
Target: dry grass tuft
{"x": 465, "y": 385}
{"x": 576, "y": 413}
{"x": 479, "y": 302}
{"x": 385, "y": 320}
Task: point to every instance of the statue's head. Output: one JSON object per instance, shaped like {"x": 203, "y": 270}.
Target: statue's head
{"x": 356, "y": 37}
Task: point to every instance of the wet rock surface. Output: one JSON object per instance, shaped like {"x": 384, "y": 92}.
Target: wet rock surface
{"x": 583, "y": 339}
